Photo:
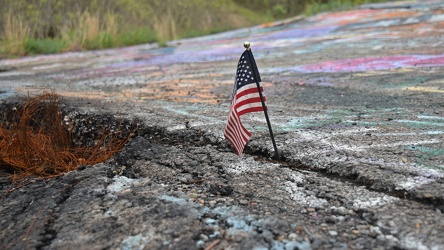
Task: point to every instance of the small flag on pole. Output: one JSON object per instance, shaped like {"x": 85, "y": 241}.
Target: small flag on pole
{"x": 245, "y": 99}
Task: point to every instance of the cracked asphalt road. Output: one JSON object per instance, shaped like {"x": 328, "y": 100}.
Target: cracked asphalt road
{"x": 355, "y": 100}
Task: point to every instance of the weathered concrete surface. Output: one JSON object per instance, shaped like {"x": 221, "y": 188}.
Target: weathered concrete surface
{"x": 355, "y": 100}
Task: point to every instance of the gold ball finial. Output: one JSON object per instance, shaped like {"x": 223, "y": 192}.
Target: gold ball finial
{"x": 247, "y": 45}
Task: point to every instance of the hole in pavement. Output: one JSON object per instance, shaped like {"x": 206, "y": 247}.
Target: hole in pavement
{"x": 39, "y": 137}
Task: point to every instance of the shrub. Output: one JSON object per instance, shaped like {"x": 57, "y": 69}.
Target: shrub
{"x": 43, "y": 46}
{"x": 138, "y": 36}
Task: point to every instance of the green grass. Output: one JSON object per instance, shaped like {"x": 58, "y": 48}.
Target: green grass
{"x": 318, "y": 6}
{"x": 102, "y": 41}
{"x": 195, "y": 33}
{"x": 138, "y": 36}
{"x": 43, "y": 46}
{"x": 251, "y": 15}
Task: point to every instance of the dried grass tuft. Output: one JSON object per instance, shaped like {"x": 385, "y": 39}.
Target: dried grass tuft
{"x": 34, "y": 142}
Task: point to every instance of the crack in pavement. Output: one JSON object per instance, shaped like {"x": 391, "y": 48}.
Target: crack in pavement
{"x": 146, "y": 196}
{"x": 48, "y": 234}
{"x": 348, "y": 172}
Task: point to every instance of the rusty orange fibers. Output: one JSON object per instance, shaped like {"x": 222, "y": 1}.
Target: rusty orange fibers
{"x": 34, "y": 142}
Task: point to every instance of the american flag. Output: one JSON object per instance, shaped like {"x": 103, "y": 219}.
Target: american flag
{"x": 245, "y": 99}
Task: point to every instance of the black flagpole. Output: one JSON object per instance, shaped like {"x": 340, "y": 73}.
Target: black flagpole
{"x": 247, "y": 47}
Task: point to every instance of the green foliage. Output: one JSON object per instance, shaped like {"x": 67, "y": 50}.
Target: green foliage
{"x": 253, "y": 15}
{"x": 43, "y": 46}
{"x": 195, "y": 33}
{"x": 138, "y": 36}
{"x": 318, "y": 6}
{"x": 279, "y": 11}
{"x": 274, "y": 9}
{"x": 102, "y": 41}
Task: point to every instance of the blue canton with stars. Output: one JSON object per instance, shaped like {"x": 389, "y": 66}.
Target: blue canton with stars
{"x": 244, "y": 73}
